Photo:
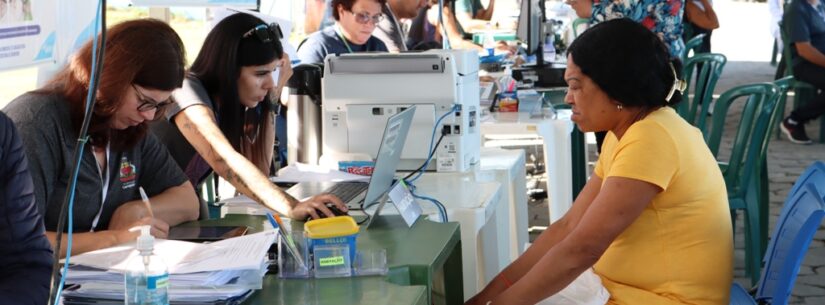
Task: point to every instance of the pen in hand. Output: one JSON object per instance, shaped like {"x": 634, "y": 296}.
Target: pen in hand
{"x": 146, "y": 202}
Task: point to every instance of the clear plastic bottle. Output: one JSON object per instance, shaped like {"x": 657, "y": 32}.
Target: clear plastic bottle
{"x": 146, "y": 278}
{"x": 489, "y": 42}
{"x": 549, "y": 48}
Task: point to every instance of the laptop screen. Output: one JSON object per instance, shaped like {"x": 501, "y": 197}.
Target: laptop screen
{"x": 389, "y": 154}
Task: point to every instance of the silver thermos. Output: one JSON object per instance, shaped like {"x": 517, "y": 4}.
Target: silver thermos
{"x": 304, "y": 114}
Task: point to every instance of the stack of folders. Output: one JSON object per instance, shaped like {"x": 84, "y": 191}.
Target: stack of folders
{"x": 224, "y": 272}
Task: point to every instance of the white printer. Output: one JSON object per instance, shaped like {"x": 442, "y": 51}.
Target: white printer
{"x": 361, "y": 91}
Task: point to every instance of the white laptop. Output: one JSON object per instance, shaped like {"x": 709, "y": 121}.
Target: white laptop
{"x": 359, "y": 194}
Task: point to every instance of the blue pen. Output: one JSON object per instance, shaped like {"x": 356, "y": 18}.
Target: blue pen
{"x": 272, "y": 220}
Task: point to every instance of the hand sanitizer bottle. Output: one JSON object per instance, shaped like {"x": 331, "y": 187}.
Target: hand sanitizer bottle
{"x": 146, "y": 278}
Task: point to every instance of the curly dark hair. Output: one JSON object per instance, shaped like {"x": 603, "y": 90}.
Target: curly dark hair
{"x": 347, "y": 4}
{"x": 629, "y": 62}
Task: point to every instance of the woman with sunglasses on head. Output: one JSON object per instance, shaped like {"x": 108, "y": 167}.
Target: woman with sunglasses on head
{"x": 143, "y": 63}
{"x": 355, "y": 20}
{"x": 222, "y": 119}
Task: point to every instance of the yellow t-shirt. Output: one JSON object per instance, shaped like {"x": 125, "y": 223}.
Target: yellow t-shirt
{"x": 680, "y": 249}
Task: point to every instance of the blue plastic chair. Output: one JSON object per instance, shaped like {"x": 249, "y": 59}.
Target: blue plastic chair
{"x": 816, "y": 174}
{"x": 801, "y": 216}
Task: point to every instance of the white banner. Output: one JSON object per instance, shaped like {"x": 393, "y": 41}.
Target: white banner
{"x": 27, "y": 32}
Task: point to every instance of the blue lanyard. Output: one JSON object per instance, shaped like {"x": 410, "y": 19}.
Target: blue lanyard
{"x": 346, "y": 44}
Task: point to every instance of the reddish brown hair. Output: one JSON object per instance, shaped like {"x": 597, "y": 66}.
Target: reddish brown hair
{"x": 144, "y": 52}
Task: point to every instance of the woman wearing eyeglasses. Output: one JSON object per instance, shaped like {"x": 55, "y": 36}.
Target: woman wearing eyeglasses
{"x": 355, "y": 20}
{"x": 143, "y": 63}
{"x": 222, "y": 119}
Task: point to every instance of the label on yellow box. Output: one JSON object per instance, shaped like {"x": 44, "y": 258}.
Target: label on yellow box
{"x": 331, "y": 261}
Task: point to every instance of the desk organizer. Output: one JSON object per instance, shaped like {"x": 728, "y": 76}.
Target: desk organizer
{"x": 328, "y": 246}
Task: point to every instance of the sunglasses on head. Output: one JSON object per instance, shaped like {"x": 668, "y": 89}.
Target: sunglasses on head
{"x": 265, "y": 33}
{"x": 364, "y": 17}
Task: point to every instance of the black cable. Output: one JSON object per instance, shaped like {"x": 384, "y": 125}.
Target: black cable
{"x": 61, "y": 220}
{"x": 421, "y": 168}
{"x": 365, "y": 219}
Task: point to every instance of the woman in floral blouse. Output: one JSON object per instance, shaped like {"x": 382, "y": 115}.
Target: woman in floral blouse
{"x": 663, "y": 17}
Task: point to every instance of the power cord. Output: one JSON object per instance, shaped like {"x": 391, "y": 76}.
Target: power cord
{"x": 421, "y": 168}
{"x": 432, "y": 148}
{"x": 56, "y": 287}
{"x": 442, "y": 210}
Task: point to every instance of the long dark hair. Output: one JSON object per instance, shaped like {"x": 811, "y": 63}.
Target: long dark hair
{"x": 144, "y": 52}
{"x": 218, "y": 67}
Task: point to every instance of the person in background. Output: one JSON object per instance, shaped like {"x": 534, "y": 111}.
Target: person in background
{"x": 26, "y": 255}
{"x": 583, "y": 8}
{"x": 143, "y": 63}
{"x": 654, "y": 216}
{"x": 472, "y": 15}
{"x": 317, "y": 15}
{"x": 390, "y": 30}
{"x": 426, "y": 32}
{"x": 662, "y": 17}
{"x": 700, "y": 18}
{"x": 355, "y": 20}
{"x": 804, "y": 22}
{"x": 776, "y": 9}
{"x": 222, "y": 119}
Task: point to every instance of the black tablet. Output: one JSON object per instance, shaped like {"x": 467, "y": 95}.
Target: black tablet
{"x": 206, "y": 233}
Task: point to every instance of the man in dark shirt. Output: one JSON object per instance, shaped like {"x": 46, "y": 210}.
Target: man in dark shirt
{"x": 25, "y": 254}
{"x": 804, "y": 21}
{"x": 390, "y": 30}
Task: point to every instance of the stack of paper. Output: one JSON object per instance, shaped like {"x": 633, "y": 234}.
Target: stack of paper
{"x": 223, "y": 272}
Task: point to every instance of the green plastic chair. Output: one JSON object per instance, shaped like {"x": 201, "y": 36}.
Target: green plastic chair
{"x": 207, "y": 201}
{"x": 745, "y": 170}
{"x": 804, "y": 92}
{"x": 710, "y": 69}
{"x": 692, "y": 45}
{"x": 576, "y": 23}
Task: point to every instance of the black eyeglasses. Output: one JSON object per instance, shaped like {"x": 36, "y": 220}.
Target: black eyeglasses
{"x": 147, "y": 104}
{"x": 265, "y": 33}
{"x": 364, "y": 17}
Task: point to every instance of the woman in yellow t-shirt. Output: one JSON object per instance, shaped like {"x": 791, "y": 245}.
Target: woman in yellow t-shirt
{"x": 653, "y": 222}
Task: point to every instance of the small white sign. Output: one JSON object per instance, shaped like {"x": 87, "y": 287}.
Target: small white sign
{"x": 404, "y": 201}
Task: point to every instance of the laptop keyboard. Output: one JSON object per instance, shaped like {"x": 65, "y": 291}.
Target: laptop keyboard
{"x": 347, "y": 191}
